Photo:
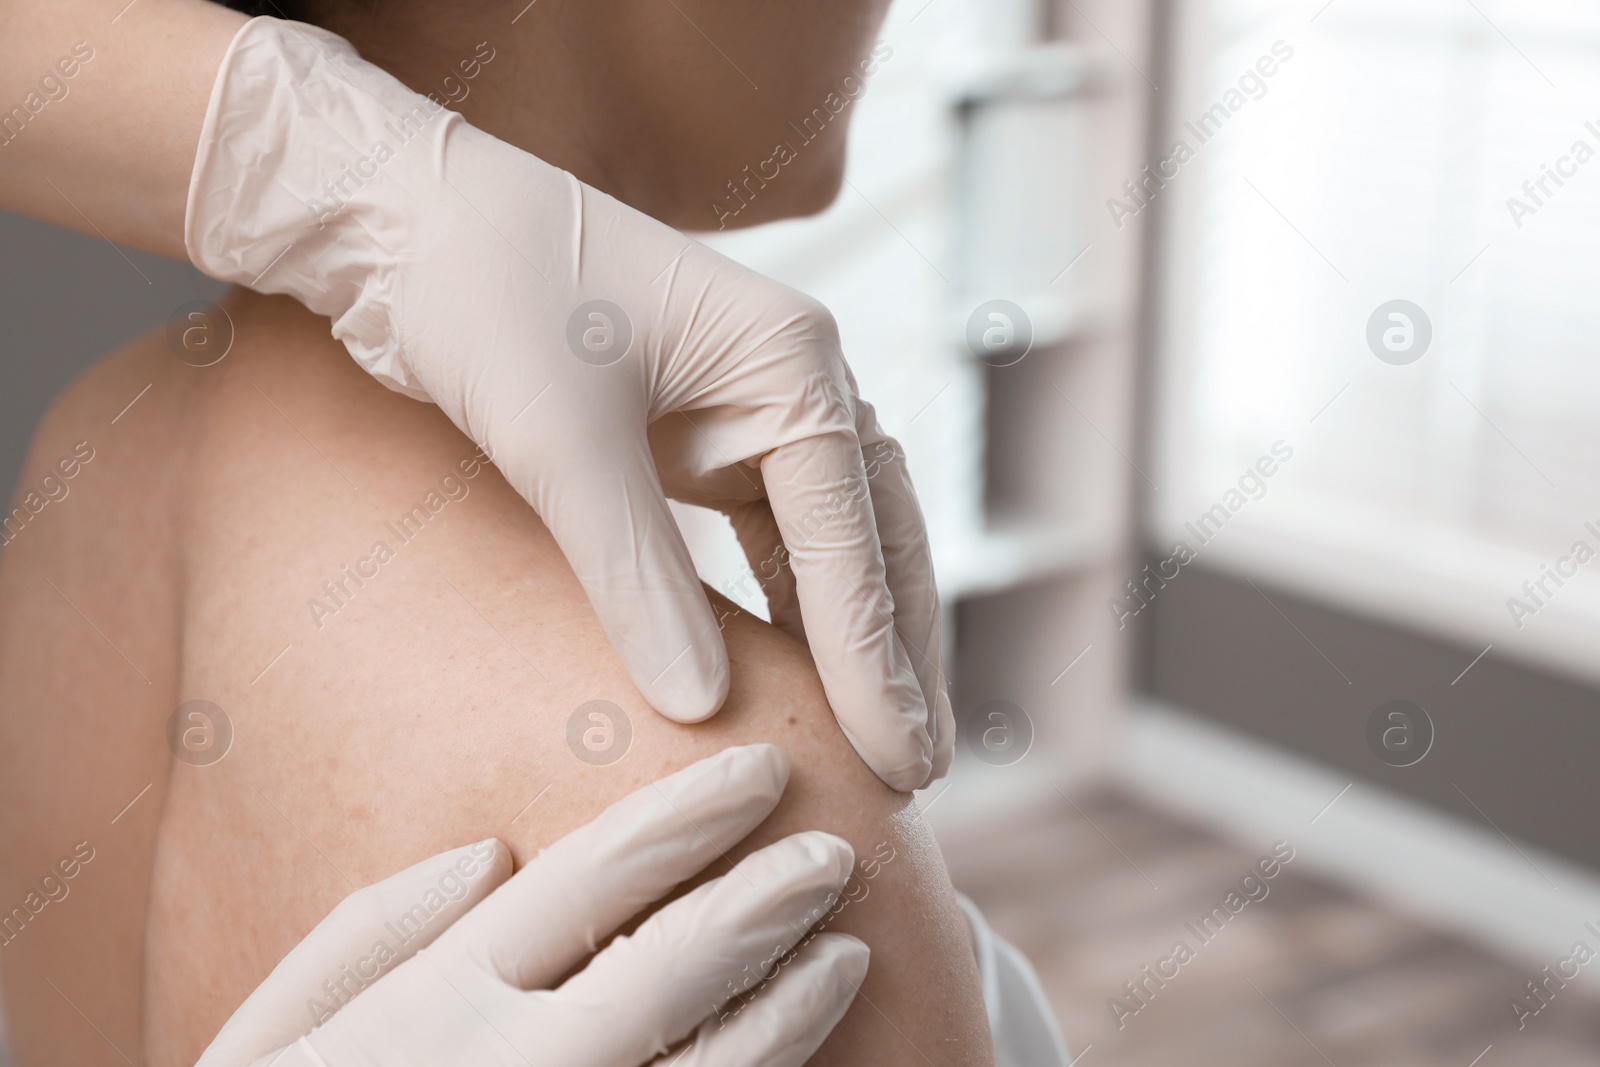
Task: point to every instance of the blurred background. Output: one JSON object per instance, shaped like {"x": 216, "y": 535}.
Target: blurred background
{"x": 1245, "y": 357}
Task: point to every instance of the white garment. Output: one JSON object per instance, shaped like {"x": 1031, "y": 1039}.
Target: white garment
{"x": 1024, "y": 1029}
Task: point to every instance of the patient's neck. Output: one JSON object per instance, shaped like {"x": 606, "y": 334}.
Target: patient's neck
{"x": 539, "y": 84}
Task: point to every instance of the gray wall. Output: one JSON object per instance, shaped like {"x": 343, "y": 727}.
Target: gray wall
{"x": 1514, "y": 745}
{"x": 66, "y": 300}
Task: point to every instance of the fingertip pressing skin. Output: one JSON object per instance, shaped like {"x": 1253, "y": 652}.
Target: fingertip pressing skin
{"x": 657, "y": 618}
{"x": 692, "y": 688}
{"x": 638, "y": 574}
{"x": 843, "y": 592}
{"x": 897, "y": 751}
{"x": 490, "y": 854}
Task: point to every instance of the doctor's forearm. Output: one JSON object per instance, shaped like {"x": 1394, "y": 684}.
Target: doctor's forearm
{"x": 101, "y": 104}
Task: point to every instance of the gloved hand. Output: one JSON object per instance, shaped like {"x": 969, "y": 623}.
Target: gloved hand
{"x": 568, "y": 334}
{"x": 473, "y": 985}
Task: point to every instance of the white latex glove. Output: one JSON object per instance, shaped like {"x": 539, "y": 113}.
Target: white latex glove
{"x": 477, "y": 981}
{"x": 464, "y": 271}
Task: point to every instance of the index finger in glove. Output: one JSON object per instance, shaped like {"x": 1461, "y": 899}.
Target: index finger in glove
{"x": 404, "y": 913}
{"x": 818, "y": 490}
{"x": 596, "y": 488}
{"x": 558, "y": 908}
{"x": 692, "y": 956}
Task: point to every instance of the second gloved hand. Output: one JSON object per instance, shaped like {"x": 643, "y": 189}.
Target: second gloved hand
{"x": 482, "y": 984}
{"x": 598, "y": 355}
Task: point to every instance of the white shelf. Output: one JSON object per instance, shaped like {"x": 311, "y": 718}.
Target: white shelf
{"x": 1012, "y": 555}
{"x": 1056, "y": 317}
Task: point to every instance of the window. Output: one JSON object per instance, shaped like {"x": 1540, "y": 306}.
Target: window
{"x": 1445, "y": 153}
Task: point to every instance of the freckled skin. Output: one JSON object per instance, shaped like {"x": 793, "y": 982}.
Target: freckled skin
{"x": 429, "y": 710}
{"x": 427, "y": 705}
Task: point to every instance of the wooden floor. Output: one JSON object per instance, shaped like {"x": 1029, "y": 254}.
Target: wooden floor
{"x": 1312, "y": 975}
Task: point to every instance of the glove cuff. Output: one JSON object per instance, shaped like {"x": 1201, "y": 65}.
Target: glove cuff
{"x": 300, "y": 136}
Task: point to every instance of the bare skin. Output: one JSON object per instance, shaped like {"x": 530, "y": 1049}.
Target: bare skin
{"x": 430, "y": 709}
{"x": 105, "y": 145}
{"x": 428, "y": 705}
{"x": 659, "y": 105}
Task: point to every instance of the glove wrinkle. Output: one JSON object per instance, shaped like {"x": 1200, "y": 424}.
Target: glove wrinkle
{"x": 452, "y": 270}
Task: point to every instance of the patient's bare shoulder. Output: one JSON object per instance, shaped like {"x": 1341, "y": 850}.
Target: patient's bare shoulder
{"x": 405, "y": 663}
{"x": 88, "y": 656}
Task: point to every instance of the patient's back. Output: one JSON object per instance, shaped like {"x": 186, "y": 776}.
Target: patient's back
{"x": 405, "y": 663}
